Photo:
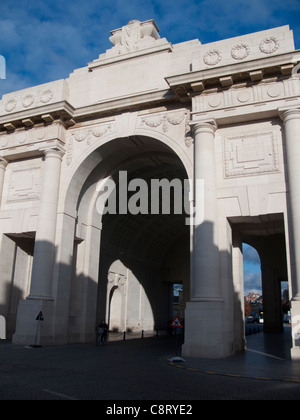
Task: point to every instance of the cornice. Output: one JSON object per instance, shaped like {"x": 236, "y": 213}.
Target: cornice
{"x": 62, "y": 110}
{"x": 68, "y": 114}
{"x": 254, "y": 71}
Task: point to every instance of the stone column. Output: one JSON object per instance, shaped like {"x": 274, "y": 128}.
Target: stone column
{"x": 44, "y": 249}
{"x": 3, "y": 164}
{"x": 40, "y": 297}
{"x": 291, "y": 120}
{"x": 205, "y": 258}
{"x": 204, "y": 313}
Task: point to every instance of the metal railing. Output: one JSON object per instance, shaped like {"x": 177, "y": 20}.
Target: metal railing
{"x": 134, "y": 335}
{"x": 253, "y": 329}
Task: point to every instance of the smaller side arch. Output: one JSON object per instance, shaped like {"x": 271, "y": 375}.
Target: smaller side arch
{"x": 115, "y": 309}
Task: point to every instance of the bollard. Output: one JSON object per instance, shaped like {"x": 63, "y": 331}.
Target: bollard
{"x": 124, "y": 336}
{"x": 142, "y": 334}
{"x": 2, "y": 328}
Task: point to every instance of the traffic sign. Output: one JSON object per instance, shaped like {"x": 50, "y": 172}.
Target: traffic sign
{"x": 176, "y": 323}
{"x": 40, "y": 317}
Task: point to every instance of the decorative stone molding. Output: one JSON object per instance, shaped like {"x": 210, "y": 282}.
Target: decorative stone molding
{"x": 46, "y": 96}
{"x": 199, "y": 127}
{"x": 27, "y": 101}
{"x": 116, "y": 280}
{"x": 134, "y": 36}
{"x": 269, "y": 45}
{"x": 85, "y": 135}
{"x": 24, "y": 184}
{"x": 212, "y": 57}
{"x": 132, "y": 40}
{"x": 189, "y": 140}
{"x": 33, "y": 142}
{"x": 240, "y": 51}
{"x": 3, "y": 163}
{"x": 248, "y": 95}
{"x": 164, "y": 121}
{"x": 90, "y": 133}
{"x": 10, "y": 105}
{"x": 289, "y": 114}
{"x": 69, "y": 153}
{"x": 36, "y": 98}
{"x": 54, "y": 152}
{"x": 250, "y": 154}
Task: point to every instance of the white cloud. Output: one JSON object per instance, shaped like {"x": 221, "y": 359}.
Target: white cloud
{"x": 252, "y": 270}
{"x": 44, "y": 41}
{"x": 250, "y": 255}
{"x": 252, "y": 282}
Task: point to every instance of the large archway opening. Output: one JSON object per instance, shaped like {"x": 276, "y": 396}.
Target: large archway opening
{"x": 141, "y": 254}
{"x": 265, "y": 269}
{"x": 253, "y": 294}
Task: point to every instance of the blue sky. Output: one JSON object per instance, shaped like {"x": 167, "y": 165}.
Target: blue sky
{"x": 44, "y": 40}
{"x": 252, "y": 270}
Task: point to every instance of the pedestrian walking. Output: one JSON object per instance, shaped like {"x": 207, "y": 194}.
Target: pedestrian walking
{"x": 102, "y": 333}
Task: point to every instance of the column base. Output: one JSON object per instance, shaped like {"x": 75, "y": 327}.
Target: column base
{"x": 204, "y": 331}
{"x": 295, "y": 312}
{"x": 27, "y": 325}
{"x": 273, "y": 328}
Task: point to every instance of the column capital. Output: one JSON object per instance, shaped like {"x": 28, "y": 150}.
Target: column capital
{"x": 208, "y": 126}
{"x": 53, "y": 152}
{"x": 287, "y": 114}
{"x": 3, "y": 163}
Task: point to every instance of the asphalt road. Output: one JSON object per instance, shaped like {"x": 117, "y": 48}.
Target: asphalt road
{"x": 133, "y": 370}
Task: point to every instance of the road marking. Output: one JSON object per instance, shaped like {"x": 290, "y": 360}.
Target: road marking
{"x": 58, "y": 394}
{"x": 265, "y": 354}
{"x": 234, "y": 375}
{"x": 296, "y": 381}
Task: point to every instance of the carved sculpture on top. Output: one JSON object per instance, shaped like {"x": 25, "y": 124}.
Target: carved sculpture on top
{"x": 134, "y": 36}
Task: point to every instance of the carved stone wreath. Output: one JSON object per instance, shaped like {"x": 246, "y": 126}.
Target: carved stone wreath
{"x": 269, "y": 45}
{"x": 240, "y": 51}
{"x": 27, "y": 101}
{"x": 10, "y": 105}
{"x": 212, "y": 57}
{"x": 46, "y": 96}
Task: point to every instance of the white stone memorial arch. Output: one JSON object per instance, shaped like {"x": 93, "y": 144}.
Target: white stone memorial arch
{"x": 226, "y": 113}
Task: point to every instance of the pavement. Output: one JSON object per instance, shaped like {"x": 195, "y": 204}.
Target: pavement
{"x": 140, "y": 370}
{"x": 267, "y": 358}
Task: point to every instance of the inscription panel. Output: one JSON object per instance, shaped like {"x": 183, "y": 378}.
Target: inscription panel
{"x": 250, "y": 154}
{"x": 24, "y": 184}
